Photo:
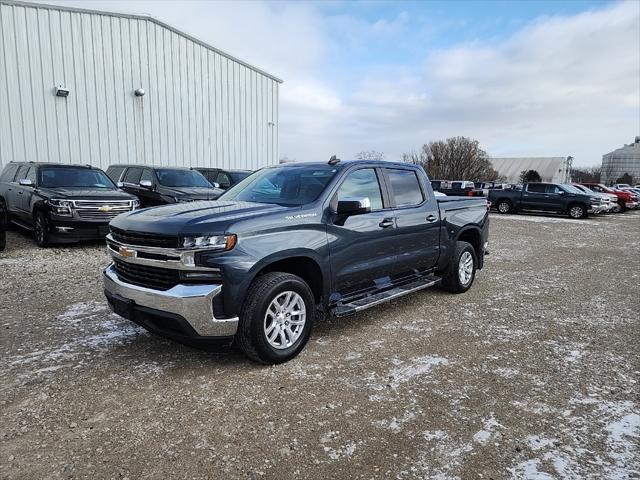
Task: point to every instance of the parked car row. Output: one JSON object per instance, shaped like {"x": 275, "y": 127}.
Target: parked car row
{"x": 68, "y": 203}
{"x": 575, "y": 200}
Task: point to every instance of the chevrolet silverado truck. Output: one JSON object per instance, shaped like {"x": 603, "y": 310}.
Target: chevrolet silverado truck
{"x": 61, "y": 203}
{"x": 547, "y": 197}
{"x": 286, "y": 245}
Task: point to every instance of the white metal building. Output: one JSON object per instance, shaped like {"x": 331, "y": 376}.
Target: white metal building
{"x": 623, "y": 160}
{"x": 200, "y": 106}
{"x": 551, "y": 169}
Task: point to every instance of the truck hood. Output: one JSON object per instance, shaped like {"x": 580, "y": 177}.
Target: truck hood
{"x": 86, "y": 194}
{"x": 195, "y": 218}
{"x": 194, "y": 193}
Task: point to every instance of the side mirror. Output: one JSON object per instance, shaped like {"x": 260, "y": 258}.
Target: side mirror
{"x": 25, "y": 182}
{"x": 561, "y": 192}
{"x": 354, "y": 206}
{"x": 119, "y": 184}
{"x": 215, "y": 184}
{"x": 146, "y": 184}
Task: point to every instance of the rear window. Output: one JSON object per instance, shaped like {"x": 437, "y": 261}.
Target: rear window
{"x": 405, "y": 187}
{"x": 8, "y": 173}
{"x": 537, "y": 187}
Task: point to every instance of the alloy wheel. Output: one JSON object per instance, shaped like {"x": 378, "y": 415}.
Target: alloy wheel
{"x": 284, "y": 320}
{"x": 465, "y": 268}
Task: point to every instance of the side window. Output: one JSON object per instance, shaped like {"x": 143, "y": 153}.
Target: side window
{"x": 147, "y": 174}
{"x": 405, "y": 187}
{"x": 224, "y": 180}
{"x": 31, "y": 175}
{"x": 536, "y": 188}
{"x": 555, "y": 189}
{"x": 362, "y": 183}
{"x": 133, "y": 175}
{"x": 8, "y": 173}
{"x": 114, "y": 173}
{"x": 22, "y": 173}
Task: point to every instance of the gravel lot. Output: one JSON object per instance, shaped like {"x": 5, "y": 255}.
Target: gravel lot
{"x": 533, "y": 372}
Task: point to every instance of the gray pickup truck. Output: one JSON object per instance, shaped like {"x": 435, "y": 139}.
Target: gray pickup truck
{"x": 287, "y": 244}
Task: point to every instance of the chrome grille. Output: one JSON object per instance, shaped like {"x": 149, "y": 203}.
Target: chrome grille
{"x": 105, "y": 210}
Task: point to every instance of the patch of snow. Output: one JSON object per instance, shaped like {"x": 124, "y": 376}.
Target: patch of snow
{"x": 489, "y": 426}
{"x": 529, "y": 470}
{"x": 536, "y": 442}
{"x": 418, "y": 367}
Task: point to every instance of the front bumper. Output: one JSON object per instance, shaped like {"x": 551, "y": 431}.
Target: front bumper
{"x": 186, "y": 310}
{"x": 595, "y": 209}
{"x": 62, "y": 229}
{"x": 632, "y": 205}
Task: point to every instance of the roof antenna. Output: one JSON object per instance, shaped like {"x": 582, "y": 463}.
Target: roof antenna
{"x": 334, "y": 160}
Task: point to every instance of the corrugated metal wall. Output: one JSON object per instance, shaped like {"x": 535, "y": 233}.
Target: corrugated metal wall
{"x": 201, "y": 107}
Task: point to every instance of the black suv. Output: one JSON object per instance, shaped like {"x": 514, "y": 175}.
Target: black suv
{"x": 162, "y": 185}
{"x": 61, "y": 203}
{"x": 224, "y": 179}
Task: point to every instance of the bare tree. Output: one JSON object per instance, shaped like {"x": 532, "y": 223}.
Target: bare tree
{"x": 586, "y": 175}
{"x": 370, "y": 155}
{"x": 456, "y": 158}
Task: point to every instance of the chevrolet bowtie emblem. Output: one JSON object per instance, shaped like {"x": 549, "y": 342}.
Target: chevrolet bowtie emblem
{"x": 105, "y": 208}
{"x": 126, "y": 252}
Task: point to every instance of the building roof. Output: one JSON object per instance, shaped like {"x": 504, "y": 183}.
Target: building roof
{"x": 140, "y": 17}
{"x": 631, "y": 150}
{"x": 549, "y": 168}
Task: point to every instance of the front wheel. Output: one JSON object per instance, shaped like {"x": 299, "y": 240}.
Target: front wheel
{"x": 41, "y": 229}
{"x": 622, "y": 207}
{"x": 462, "y": 269}
{"x": 577, "y": 211}
{"x": 276, "y": 319}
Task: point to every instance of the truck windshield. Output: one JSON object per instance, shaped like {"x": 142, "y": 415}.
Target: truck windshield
{"x": 74, "y": 177}
{"x": 170, "y": 177}
{"x": 290, "y": 186}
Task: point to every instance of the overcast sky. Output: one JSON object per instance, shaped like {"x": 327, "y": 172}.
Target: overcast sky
{"x": 524, "y": 78}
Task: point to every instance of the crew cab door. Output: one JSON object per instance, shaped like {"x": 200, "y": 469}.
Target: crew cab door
{"x": 362, "y": 247}
{"x": 556, "y": 198}
{"x": 417, "y": 233}
{"x": 535, "y": 197}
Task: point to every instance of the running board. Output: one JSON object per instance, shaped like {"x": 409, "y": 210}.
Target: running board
{"x": 344, "y": 309}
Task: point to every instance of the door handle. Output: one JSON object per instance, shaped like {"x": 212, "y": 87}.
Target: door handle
{"x": 431, "y": 218}
{"x": 386, "y": 223}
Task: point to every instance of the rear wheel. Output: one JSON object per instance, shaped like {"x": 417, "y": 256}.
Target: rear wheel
{"x": 41, "y": 229}
{"x": 462, "y": 269}
{"x": 577, "y": 211}
{"x": 504, "y": 206}
{"x": 276, "y": 319}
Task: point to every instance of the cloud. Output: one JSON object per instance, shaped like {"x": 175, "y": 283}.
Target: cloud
{"x": 560, "y": 85}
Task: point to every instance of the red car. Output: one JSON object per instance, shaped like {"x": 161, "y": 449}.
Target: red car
{"x": 625, "y": 199}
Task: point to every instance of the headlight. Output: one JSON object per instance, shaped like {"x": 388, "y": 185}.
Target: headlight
{"x": 135, "y": 204}
{"x": 182, "y": 199}
{"x": 210, "y": 242}
{"x": 60, "y": 207}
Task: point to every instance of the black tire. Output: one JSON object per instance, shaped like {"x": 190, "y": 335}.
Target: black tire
{"x": 41, "y": 229}
{"x": 577, "y": 211}
{"x": 451, "y": 281}
{"x": 4, "y": 214}
{"x": 504, "y": 206}
{"x": 623, "y": 206}
{"x": 251, "y": 335}
{"x": 3, "y": 237}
